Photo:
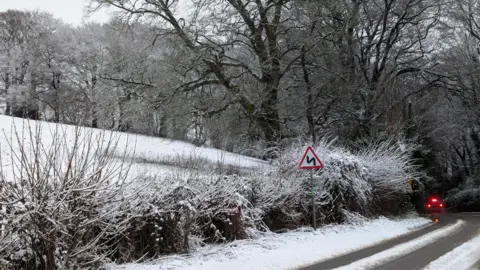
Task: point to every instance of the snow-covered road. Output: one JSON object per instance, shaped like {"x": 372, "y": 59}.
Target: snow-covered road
{"x": 463, "y": 257}
{"x": 451, "y": 244}
{"x": 405, "y": 248}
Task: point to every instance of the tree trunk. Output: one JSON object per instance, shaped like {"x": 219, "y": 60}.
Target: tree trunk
{"x": 55, "y": 84}
{"x": 122, "y": 125}
{"x": 8, "y": 108}
{"x": 94, "y": 116}
{"x": 476, "y": 142}
{"x": 163, "y": 126}
{"x": 56, "y": 117}
{"x": 308, "y": 86}
{"x": 269, "y": 118}
{"x": 365, "y": 127}
{"x": 94, "y": 104}
{"x": 8, "y": 105}
{"x": 32, "y": 102}
{"x": 410, "y": 132}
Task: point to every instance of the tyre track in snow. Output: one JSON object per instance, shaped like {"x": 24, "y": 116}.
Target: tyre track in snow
{"x": 369, "y": 251}
{"x": 416, "y": 259}
{"x": 422, "y": 257}
{"x": 463, "y": 257}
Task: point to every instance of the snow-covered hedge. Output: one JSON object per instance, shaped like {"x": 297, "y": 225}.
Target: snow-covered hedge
{"x": 389, "y": 165}
{"x": 213, "y": 209}
{"x": 342, "y": 183}
{"x": 360, "y": 182}
{"x": 87, "y": 215}
{"x": 464, "y": 200}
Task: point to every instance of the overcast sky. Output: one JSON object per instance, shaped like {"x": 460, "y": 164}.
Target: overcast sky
{"x": 70, "y": 11}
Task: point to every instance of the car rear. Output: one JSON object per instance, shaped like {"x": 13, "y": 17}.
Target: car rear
{"x": 435, "y": 206}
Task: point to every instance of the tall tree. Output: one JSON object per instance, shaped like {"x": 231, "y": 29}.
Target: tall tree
{"x": 15, "y": 34}
{"x": 235, "y": 41}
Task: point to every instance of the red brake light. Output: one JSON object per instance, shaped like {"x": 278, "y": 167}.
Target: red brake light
{"x": 428, "y": 205}
{"x": 434, "y": 200}
{"x": 441, "y": 205}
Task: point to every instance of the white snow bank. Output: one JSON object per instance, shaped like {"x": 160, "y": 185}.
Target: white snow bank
{"x": 402, "y": 249}
{"x": 463, "y": 257}
{"x": 289, "y": 250}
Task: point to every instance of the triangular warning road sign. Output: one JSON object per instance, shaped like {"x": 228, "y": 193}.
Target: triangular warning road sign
{"x": 310, "y": 160}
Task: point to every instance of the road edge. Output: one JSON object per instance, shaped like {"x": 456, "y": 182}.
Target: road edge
{"x": 408, "y": 247}
{"x": 343, "y": 253}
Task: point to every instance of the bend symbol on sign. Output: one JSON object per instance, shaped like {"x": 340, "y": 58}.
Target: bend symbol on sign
{"x": 310, "y": 160}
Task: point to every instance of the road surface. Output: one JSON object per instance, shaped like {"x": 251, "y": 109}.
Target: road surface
{"x": 476, "y": 266}
{"x": 419, "y": 258}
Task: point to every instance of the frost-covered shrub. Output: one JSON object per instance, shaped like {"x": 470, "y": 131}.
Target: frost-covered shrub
{"x": 341, "y": 184}
{"x": 277, "y": 197}
{"x": 61, "y": 193}
{"x": 159, "y": 221}
{"x": 171, "y": 211}
{"x": 223, "y": 208}
{"x": 389, "y": 167}
{"x": 344, "y": 185}
{"x": 151, "y": 233}
{"x": 353, "y": 182}
{"x": 464, "y": 200}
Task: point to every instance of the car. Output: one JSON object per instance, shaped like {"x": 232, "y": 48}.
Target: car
{"x": 435, "y": 207}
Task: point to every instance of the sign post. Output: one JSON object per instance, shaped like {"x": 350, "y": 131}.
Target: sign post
{"x": 310, "y": 161}
{"x": 314, "y": 194}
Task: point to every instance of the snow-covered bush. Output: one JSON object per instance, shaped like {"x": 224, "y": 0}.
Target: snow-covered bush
{"x": 279, "y": 197}
{"x": 341, "y": 184}
{"x": 349, "y": 181}
{"x": 60, "y": 194}
{"x": 464, "y": 200}
{"x": 171, "y": 211}
{"x": 389, "y": 167}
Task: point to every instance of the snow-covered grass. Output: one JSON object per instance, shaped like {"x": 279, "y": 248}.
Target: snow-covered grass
{"x": 159, "y": 154}
{"x": 286, "y": 251}
{"x": 402, "y": 249}
{"x": 463, "y": 257}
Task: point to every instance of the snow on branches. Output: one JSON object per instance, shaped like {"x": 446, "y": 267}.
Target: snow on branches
{"x": 61, "y": 193}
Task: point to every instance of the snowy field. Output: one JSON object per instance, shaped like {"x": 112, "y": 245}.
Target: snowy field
{"x": 286, "y": 251}
{"x": 149, "y": 156}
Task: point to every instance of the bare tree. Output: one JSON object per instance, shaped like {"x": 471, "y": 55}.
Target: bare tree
{"x": 15, "y": 35}
{"x": 232, "y": 42}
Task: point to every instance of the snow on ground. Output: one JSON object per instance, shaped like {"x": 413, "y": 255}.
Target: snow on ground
{"x": 159, "y": 149}
{"x": 463, "y": 257}
{"x": 151, "y": 155}
{"x": 402, "y": 249}
{"x": 286, "y": 251}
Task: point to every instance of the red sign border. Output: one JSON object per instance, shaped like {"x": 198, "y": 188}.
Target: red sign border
{"x": 320, "y": 166}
